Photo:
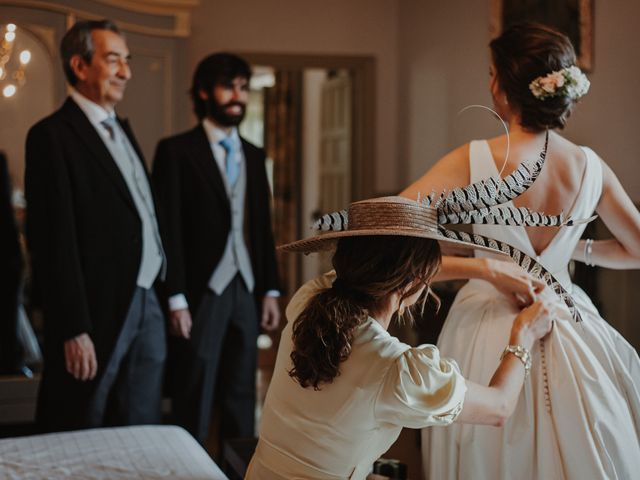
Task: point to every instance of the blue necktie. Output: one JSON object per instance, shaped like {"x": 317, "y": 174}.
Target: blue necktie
{"x": 232, "y": 166}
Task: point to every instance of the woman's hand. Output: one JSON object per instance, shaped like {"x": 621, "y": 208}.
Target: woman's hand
{"x": 492, "y": 405}
{"x": 531, "y": 324}
{"x": 512, "y": 280}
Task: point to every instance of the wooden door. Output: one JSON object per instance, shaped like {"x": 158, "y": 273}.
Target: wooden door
{"x": 335, "y": 149}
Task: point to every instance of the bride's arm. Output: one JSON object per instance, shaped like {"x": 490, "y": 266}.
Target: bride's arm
{"x": 622, "y": 219}
{"x": 452, "y": 171}
{"x": 449, "y": 172}
{"x": 508, "y": 277}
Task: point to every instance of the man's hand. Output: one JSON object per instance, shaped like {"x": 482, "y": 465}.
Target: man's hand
{"x": 270, "y": 313}
{"x": 80, "y": 357}
{"x": 180, "y": 323}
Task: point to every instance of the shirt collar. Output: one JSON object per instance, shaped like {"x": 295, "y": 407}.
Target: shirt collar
{"x": 216, "y": 134}
{"x": 94, "y": 112}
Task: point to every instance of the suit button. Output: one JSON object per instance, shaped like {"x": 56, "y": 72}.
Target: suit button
{"x": 135, "y": 240}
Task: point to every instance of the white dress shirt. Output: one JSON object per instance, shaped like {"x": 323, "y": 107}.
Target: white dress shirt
{"x": 95, "y": 113}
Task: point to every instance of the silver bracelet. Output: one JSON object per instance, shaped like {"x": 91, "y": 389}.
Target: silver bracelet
{"x": 588, "y": 249}
{"x": 522, "y": 353}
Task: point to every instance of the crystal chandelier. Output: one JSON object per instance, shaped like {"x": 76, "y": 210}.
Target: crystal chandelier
{"x": 11, "y": 79}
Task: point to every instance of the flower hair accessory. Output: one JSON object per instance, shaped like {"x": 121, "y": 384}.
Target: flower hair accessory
{"x": 568, "y": 82}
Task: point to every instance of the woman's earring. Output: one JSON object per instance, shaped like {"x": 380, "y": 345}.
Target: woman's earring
{"x": 401, "y": 309}
{"x": 506, "y": 100}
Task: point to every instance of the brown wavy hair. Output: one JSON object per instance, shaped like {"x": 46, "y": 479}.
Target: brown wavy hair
{"x": 368, "y": 271}
{"x": 523, "y": 53}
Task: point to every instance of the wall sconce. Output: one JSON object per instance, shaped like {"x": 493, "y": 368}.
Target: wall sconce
{"x": 12, "y": 78}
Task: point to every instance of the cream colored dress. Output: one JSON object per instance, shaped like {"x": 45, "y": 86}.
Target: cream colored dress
{"x": 340, "y": 430}
{"x": 578, "y": 416}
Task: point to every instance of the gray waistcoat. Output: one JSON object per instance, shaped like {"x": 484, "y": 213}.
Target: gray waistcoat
{"x": 132, "y": 170}
{"x": 236, "y": 256}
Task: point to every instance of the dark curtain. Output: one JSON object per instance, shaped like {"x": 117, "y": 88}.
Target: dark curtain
{"x": 283, "y": 105}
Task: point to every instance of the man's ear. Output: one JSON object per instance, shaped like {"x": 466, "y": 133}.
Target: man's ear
{"x": 79, "y": 67}
{"x": 203, "y": 94}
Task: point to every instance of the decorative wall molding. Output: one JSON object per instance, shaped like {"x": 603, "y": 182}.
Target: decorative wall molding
{"x": 166, "y": 59}
{"x": 178, "y": 10}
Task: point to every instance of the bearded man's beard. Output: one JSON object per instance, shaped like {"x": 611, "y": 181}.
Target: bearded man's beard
{"x": 220, "y": 114}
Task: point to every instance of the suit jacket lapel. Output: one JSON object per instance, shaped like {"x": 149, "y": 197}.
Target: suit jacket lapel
{"x": 88, "y": 135}
{"x": 203, "y": 155}
{"x": 124, "y": 123}
{"x": 251, "y": 163}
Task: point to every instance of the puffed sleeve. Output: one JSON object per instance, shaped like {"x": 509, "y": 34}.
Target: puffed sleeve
{"x": 421, "y": 389}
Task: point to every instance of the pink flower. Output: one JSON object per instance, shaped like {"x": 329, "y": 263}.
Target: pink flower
{"x": 552, "y": 82}
{"x": 558, "y": 78}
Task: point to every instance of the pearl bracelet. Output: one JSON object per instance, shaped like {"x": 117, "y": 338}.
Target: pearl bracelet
{"x": 588, "y": 248}
{"x": 522, "y": 354}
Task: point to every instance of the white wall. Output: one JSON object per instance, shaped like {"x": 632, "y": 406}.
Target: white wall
{"x": 444, "y": 62}
{"x": 354, "y": 27}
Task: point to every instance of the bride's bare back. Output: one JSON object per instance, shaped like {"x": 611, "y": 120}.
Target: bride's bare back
{"x": 558, "y": 184}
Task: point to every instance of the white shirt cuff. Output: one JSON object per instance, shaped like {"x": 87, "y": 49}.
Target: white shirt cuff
{"x": 178, "y": 302}
{"x": 272, "y": 293}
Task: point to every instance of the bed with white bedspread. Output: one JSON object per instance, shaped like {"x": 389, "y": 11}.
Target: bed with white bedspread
{"x": 142, "y": 453}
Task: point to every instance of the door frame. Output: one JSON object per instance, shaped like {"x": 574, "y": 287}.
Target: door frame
{"x": 362, "y": 70}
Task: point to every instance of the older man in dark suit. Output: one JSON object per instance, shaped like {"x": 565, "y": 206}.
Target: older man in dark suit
{"x": 96, "y": 246}
{"x": 222, "y": 266}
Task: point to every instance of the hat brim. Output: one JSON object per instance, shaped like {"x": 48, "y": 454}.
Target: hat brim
{"x": 327, "y": 241}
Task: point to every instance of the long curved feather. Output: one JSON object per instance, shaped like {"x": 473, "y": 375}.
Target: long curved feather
{"x": 507, "y": 215}
{"x": 522, "y": 259}
{"x": 493, "y": 191}
{"x": 336, "y": 221}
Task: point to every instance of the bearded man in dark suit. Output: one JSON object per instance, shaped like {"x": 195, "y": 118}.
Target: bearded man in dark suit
{"x": 222, "y": 266}
{"x": 96, "y": 246}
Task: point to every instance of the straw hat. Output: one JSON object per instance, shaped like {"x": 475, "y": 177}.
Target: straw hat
{"x": 391, "y": 216}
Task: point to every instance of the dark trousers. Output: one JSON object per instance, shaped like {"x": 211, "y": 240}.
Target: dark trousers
{"x": 11, "y": 353}
{"x": 130, "y": 390}
{"x": 221, "y": 354}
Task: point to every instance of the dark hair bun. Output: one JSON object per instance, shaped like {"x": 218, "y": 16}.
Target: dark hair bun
{"x": 523, "y": 53}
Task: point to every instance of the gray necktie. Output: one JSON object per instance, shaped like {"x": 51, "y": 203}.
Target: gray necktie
{"x": 109, "y": 124}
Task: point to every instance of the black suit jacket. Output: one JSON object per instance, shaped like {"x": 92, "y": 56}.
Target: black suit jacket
{"x": 10, "y": 273}
{"x": 85, "y": 239}
{"x": 198, "y": 214}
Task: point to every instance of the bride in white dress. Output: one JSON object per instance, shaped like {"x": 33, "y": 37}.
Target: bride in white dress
{"x": 578, "y": 416}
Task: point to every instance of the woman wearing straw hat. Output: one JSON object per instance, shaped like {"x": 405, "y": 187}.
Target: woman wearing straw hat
{"x": 342, "y": 387}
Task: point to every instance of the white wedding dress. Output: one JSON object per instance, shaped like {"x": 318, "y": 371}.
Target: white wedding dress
{"x": 578, "y": 416}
